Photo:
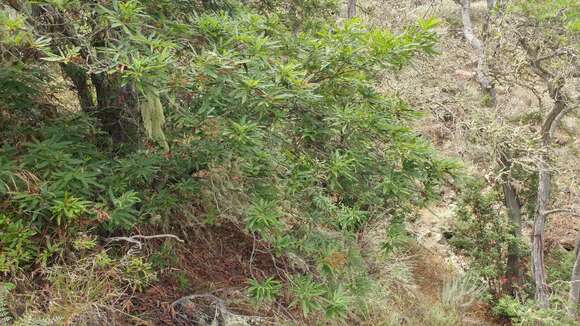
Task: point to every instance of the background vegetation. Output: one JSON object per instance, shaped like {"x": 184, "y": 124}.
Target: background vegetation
{"x": 210, "y": 162}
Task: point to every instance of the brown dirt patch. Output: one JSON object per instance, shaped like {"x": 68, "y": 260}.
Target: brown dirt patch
{"x": 214, "y": 259}
{"x": 429, "y": 273}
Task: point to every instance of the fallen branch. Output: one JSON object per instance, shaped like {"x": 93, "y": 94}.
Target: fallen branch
{"x": 562, "y": 210}
{"x": 133, "y": 239}
{"x": 221, "y": 311}
{"x": 195, "y": 296}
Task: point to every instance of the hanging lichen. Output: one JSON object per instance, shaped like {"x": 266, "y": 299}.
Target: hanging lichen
{"x": 153, "y": 118}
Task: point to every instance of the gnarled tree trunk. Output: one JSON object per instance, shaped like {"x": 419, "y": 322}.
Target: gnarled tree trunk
{"x": 482, "y": 72}
{"x": 543, "y": 197}
{"x": 538, "y": 236}
{"x": 561, "y": 105}
{"x": 78, "y": 76}
{"x": 512, "y": 203}
{"x": 115, "y": 104}
{"x": 351, "y": 9}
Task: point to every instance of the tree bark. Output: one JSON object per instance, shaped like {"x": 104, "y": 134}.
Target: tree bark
{"x": 482, "y": 72}
{"x": 555, "y": 86}
{"x": 543, "y": 196}
{"x": 538, "y": 270}
{"x": 574, "y": 295}
{"x": 109, "y": 102}
{"x": 351, "y": 9}
{"x": 512, "y": 203}
{"x": 80, "y": 81}
{"x": 114, "y": 105}
{"x": 490, "y": 4}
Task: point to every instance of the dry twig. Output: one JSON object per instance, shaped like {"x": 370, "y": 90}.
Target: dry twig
{"x": 133, "y": 239}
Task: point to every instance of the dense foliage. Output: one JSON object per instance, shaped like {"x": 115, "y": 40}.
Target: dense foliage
{"x": 117, "y": 115}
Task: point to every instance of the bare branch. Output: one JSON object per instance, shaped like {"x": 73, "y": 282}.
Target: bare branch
{"x": 562, "y": 210}
{"x": 482, "y": 69}
{"x": 196, "y": 296}
{"x": 558, "y": 118}
{"x": 533, "y": 59}
{"x": 133, "y": 239}
{"x": 554, "y": 54}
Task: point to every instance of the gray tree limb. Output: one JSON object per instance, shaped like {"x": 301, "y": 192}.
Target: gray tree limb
{"x": 482, "y": 73}
{"x": 561, "y": 105}
{"x": 574, "y": 295}
{"x": 351, "y": 9}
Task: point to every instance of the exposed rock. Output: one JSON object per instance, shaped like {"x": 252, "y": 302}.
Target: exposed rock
{"x": 209, "y": 310}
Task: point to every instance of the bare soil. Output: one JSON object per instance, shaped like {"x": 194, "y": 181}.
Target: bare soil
{"x": 215, "y": 259}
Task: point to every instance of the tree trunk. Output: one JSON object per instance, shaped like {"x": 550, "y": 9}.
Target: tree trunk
{"x": 538, "y": 236}
{"x": 513, "y": 272}
{"x": 490, "y": 4}
{"x": 555, "y": 89}
{"x": 115, "y": 104}
{"x": 80, "y": 81}
{"x": 482, "y": 72}
{"x": 543, "y": 197}
{"x": 574, "y": 294}
{"x": 542, "y": 202}
{"x": 351, "y": 9}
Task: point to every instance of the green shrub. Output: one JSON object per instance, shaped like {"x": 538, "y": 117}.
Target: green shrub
{"x": 337, "y": 304}
{"x": 17, "y": 243}
{"x": 212, "y": 113}
{"x": 307, "y": 294}
{"x": 507, "y": 307}
{"x": 138, "y": 273}
{"x": 442, "y": 316}
{"x": 482, "y": 233}
{"x": 265, "y": 291}
{"x": 5, "y": 315}
{"x": 461, "y": 292}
